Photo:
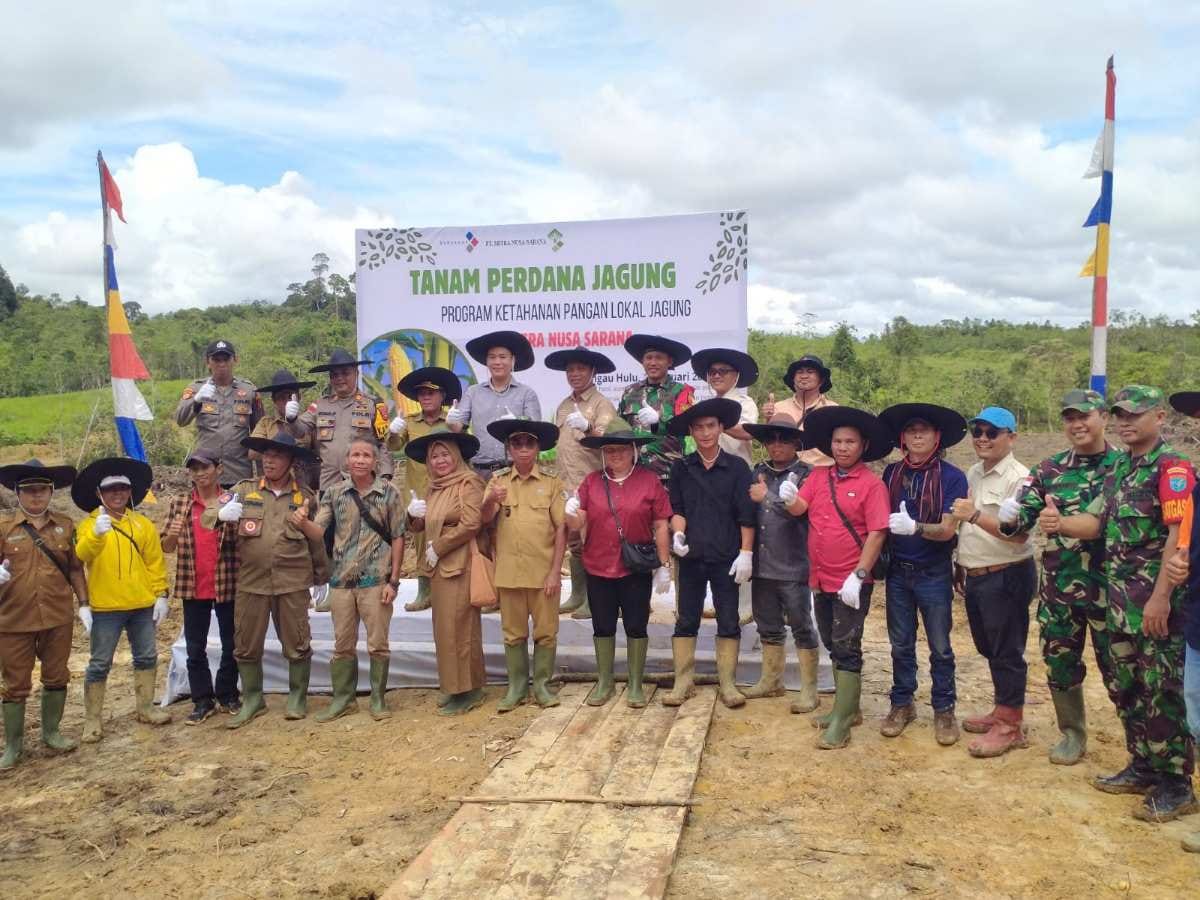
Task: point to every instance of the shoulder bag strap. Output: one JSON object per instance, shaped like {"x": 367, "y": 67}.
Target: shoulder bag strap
{"x": 41, "y": 545}
{"x": 372, "y": 523}
{"x": 838, "y": 509}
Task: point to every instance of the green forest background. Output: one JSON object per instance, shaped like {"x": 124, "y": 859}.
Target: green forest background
{"x": 54, "y": 359}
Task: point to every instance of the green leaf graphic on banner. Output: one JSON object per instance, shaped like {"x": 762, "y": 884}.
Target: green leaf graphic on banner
{"x": 731, "y": 257}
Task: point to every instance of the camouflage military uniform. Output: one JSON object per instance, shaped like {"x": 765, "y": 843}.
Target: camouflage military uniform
{"x": 669, "y": 399}
{"x": 1142, "y": 496}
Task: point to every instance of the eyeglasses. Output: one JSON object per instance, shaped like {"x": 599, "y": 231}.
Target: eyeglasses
{"x": 720, "y": 371}
{"x": 990, "y": 433}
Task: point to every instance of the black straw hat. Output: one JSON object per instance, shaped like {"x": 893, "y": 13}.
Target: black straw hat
{"x": 808, "y": 361}
{"x": 418, "y": 448}
{"x": 747, "y": 368}
{"x": 636, "y": 346}
{"x": 1186, "y": 402}
{"x": 337, "y": 360}
{"x": 779, "y": 424}
{"x": 545, "y": 432}
{"x": 283, "y": 441}
{"x": 616, "y": 431}
{"x": 283, "y": 380}
{"x": 952, "y": 425}
{"x": 512, "y": 341}
{"x": 820, "y": 424}
{"x": 431, "y": 377}
{"x": 36, "y": 472}
{"x": 722, "y": 408}
{"x": 83, "y": 491}
{"x": 560, "y": 359}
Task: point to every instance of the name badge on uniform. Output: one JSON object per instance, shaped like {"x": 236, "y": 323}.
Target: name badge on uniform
{"x": 357, "y": 422}
{"x": 208, "y": 407}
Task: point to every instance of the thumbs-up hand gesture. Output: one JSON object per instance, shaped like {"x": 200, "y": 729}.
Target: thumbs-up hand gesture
{"x": 103, "y": 523}
{"x": 231, "y": 511}
{"x": 577, "y": 420}
{"x": 902, "y": 522}
{"x": 207, "y": 391}
{"x": 397, "y": 425}
{"x": 291, "y": 409}
{"x": 455, "y": 416}
{"x": 508, "y": 413}
{"x": 963, "y": 508}
{"x": 572, "y": 505}
{"x": 1010, "y": 510}
{"x": 176, "y": 528}
{"x": 769, "y": 407}
{"x": 5, "y": 574}
{"x": 647, "y": 417}
{"x": 298, "y": 516}
{"x": 1050, "y": 520}
{"x": 1177, "y": 567}
{"x": 788, "y": 492}
{"x": 416, "y": 507}
{"x": 758, "y": 490}
{"x": 498, "y": 489}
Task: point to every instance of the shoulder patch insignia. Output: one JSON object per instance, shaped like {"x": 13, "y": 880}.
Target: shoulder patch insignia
{"x": 241, "y": 393}
{"x": 225, "y": 497}
{"x": 312, "y": 407}
{"x": 188, "y": 393}
{"x": 253, "y": 495}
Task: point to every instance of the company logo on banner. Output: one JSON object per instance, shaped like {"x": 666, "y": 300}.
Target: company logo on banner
{"x": 424, "y": 292}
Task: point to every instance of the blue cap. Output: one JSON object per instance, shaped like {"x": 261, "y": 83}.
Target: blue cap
{"x": 998, "y": 417}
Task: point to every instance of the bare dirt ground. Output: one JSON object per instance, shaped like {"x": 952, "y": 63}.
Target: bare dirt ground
{"x": 293, "y": 809}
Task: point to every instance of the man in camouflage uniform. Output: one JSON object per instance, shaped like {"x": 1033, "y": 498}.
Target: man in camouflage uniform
{"x": 1142, "y": 502}
{"x": 1071, "y": 601}
{"x": 650, "y": 404}
{"x": 225, "y": 409}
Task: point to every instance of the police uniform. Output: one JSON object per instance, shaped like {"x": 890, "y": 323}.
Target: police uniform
{"x": 333, "y": 422}
{"x": 221, "y": 424}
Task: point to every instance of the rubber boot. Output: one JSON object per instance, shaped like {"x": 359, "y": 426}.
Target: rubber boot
{"x": 770, "y": 681}
{"x": 299, "y": 671}
{"x": 422, "y": 601}
{"x": 344, "y": 675}
{"x": 578, "y": 598}
{"x": 14, "y": 733}
{"x": 727, "y": 657}
{"x": 683, "y": 654}
{"x": 253, "y": 704}
{"x": 845, "y": 710}
{"x": 635, "y": 655}
{"x": 93, "y": 711}
{"x": 806, "y": 700}
{"x": 516, "y": 660}
{"x": 606, "y": 649}
{"x": 543, "y": 671}
{"x": 53, "y": 702}
{"x": 379, "y": 677}
{"x": 462, "y": 703}
{"x": 1072, "y": 722}
{"x": 980, "y": 724}
{"x": 1006, "y": 734}
{"x": 143, "y": 689}
{"x": 1191, "y": 843}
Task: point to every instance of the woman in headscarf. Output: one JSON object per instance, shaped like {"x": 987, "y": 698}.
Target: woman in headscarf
{"x": 449, "y": 516}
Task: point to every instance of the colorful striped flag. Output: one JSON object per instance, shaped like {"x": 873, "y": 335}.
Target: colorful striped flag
{"x": 1101, "y": 217}
{"x": 125, "y": 365}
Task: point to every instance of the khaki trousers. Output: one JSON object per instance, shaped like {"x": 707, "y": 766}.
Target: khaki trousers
{"x": 288, "y": 611}
{"x": 353, "y": 605}
{"x": 18, "y": 649}
{"x": 457, "y": 633}
{"x": 518, "y": 606}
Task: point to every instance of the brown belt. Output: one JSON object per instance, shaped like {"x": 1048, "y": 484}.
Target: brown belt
{"x": 990, "y": 570}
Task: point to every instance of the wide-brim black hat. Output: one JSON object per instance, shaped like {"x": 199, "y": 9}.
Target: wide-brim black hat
{"x": 83, "y": 490}
{"x": 512, "y": 341}
{"x": 820, "y": 424}
{"x": 560, "y": 359}
{"x": 545, "y": 432}
{"x": 282, "y": 441}
{"x": 1186, "y": 402}
{"x": 418, "y": 448}
{"x": 36, "y": 471}
{"x": 616, "y": 432}
{"x": 722, "y": 408}
{"x": 431, "y": 376}
{"x": 780, "y": 423}
{"x": 952, "y": 425}
{"x": 337, "y": 359}
{"x": 747, "y": 368}
{"x": 808, "y": 361}
{"x": 636, "y": 346}
{"x": 283, "y": 380}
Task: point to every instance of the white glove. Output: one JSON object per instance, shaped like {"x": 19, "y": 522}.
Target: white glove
{"x": 455, "y": 416}
{"x": 231, "y": 511}
{"x": 901, "y": 522}
{"x": 679, "y": 544}
{"x": 397, "y": 425}
{"x": 788, "y": 492}
{"x": 662, "y": 579}
{"x": 85, "y": 616}
{"x": 508, "y": 414}
{"x": 572, "y": 506}
{"x": 431, "y": 556}
{"x": 849, "y": 592}
{"x": 317, "y": 593}
{"x": 160, "y": 609}
{"x": 5, "y": 575}
{"x": 102, "y": 525}
{"x": 743, "y": 567}
{"x": 1010, "y": 509}
{"x": 292, "y": 409}
{"x": 577, "y": 420}
{"x": 207, "y": 391}
{"x": 647, "y": 416}
{"x": 416, "y": 507}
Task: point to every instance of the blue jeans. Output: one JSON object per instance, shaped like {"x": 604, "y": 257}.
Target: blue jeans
{"x": 930, "y": 592}
{"x": 1191, "y": 688}
{"x": 695, "y": 576}
{"x": 138, "y": 624}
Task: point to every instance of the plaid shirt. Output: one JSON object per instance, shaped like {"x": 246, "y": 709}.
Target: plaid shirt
{"x": 185, "y": 559}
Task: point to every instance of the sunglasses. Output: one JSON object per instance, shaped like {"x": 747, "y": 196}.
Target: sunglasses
{"x": 989, "y": 432}
{"x": 720, "y": 372}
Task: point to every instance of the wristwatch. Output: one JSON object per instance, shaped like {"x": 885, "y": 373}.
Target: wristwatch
{"x": 860, "y": 574}
{"x": 395, "y": 585}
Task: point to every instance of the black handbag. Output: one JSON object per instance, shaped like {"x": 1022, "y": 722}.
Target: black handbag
{"x": 639, "y": 559}
{"x": 880, "y": 569}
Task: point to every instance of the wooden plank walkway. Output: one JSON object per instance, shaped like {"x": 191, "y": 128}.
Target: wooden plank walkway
{"x": 574, "y": 848}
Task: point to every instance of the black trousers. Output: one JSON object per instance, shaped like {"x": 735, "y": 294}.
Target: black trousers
{"x": 196, "y": 616}
{"x": 695, "y": 576}
{"x": 841, "y": 628}
{"x": 998, "y": 613}
{"x": 629, "y": 595}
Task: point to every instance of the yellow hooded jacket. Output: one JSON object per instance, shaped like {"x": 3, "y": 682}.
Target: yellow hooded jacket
{"x": 125, "y": 568}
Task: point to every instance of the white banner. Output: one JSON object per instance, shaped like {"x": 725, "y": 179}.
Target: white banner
{"x": 424, "y": 292}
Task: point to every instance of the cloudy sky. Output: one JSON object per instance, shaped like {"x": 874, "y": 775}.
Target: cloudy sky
{"x": 897, "y": 159}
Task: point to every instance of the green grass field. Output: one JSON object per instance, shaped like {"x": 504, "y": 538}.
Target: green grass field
{"x": 52, "y": 418}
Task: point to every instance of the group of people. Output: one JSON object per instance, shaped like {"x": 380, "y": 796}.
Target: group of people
{"x": 660, "y": 491}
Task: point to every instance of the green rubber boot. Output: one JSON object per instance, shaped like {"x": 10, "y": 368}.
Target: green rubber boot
{"x": 93, "y": 711}
{"x": 253, "y": 704}
{"x": 344, "y": 675}
{"x": 635, "y": 654}
{"x": 727, "y": 657}
{"x": 516, "y": 660}
{"x": 683, "y": 654}
{"x": 14, "y": 733}
{"x": 53, "y": 702}
{"x": 770, "y": 680}
{"x": 422, "y": 600}
{"x": 845, "y": 710}
{"x": 299, "y": 671}
{"x": 1072, "y": 722}
{"x": 543, "y": 671}
{"x": 577, "y": 599}
{"x": 379, "y": 677}
{"x": 606, "y": 649}
{"x": 144, "y": 681}
{"x": 459, "y": 704}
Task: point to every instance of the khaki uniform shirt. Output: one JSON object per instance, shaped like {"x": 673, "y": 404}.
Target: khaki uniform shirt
{"x": 37, "y": 597}
{"x": 526, "y": 526}
{"x": 416, "y": 476}
{"x": 790, "y": 407}
{"x": 222, "y": 423}
{"x": 749, "y": 416}
{"x": 334, "y": 423}
{"x": 977, "y": 548}
{"x": 575, "y": 461}
{"x": 270, "y": 425}
{"x": 274, "y": 555}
